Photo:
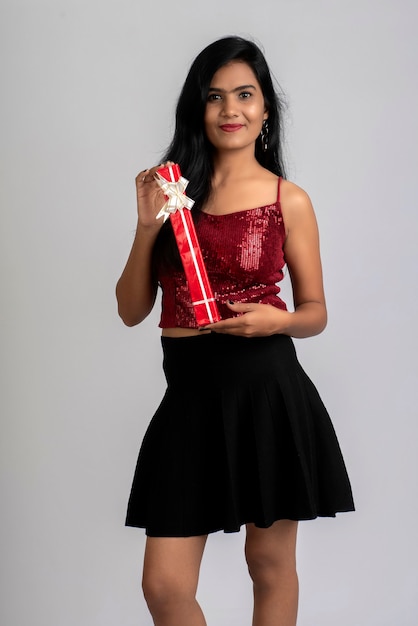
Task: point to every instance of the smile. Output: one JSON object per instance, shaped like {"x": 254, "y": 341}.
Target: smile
{"x": 230, "y": 128}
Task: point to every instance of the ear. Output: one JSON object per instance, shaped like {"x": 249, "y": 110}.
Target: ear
{"x": 266, "y": 115}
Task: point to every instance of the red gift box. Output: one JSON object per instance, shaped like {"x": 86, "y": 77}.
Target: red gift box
{"x": 178, "y": 207}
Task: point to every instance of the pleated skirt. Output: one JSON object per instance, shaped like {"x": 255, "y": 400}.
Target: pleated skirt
{"x": 241, "y": 436}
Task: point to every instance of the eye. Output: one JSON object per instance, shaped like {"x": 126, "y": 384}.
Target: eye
{"x": 213, "y": 97}
{"x": 245, "y": 94}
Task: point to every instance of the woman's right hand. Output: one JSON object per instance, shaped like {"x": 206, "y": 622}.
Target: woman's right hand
{"x": 137, "y": 288}
{"x": 150, "y": 198}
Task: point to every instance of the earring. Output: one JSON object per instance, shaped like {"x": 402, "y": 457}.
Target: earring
{"x": 265, "y": 135}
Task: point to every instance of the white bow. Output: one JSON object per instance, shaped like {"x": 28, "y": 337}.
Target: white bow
{"x": 175, "y": 193}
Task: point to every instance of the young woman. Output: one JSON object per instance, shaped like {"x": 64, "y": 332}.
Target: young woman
{"x": 241, "y": 435}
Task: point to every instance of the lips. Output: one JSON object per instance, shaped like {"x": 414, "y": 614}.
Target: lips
{"x": 230, "y": 128}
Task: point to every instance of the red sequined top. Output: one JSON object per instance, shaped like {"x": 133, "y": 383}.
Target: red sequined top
{"x": 244, "y": 259}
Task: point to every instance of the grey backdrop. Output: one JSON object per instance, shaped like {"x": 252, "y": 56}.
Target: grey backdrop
{"x": 88, "y": 94}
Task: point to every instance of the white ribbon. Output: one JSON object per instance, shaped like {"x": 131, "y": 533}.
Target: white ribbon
{"x": 175, "y": 192}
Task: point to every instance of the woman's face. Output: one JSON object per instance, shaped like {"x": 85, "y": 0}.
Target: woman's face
{"x": 235, "y": 108}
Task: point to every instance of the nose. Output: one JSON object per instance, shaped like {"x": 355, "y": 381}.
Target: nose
{"x": 229, "y": 108}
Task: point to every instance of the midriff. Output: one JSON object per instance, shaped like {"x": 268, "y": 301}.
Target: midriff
{"x": 182, "y": 332}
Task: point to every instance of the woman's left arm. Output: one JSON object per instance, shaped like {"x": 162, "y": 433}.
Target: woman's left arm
{"x": 303, "y": 259}
{"x": 304, "y": 263}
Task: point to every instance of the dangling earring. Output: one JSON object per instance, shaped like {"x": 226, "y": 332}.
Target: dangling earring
{"x": 265, "y": 136}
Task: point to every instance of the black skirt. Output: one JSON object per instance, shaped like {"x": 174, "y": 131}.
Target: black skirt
{"x": 240, "y": 436}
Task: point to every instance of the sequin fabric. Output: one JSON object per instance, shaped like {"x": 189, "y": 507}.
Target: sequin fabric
{"x": 243, "y": 254}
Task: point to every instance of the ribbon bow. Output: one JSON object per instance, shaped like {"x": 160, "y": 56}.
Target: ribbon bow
{"x": 176, "y": 197}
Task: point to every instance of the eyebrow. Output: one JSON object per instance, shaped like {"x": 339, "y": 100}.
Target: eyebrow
{"x": 240, "y": 88}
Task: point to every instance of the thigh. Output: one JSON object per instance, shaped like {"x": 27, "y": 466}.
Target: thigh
{"x": 173, "y": 561}
{"x": 273, "y": 545}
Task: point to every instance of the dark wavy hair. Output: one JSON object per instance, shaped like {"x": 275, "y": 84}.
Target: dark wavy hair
{"x": 190, "y": 146}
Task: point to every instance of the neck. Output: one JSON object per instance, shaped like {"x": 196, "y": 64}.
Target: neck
{"x": 233, "y": 164}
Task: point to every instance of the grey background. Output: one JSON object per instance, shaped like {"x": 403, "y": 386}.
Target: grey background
{"x": 88, "y": 94}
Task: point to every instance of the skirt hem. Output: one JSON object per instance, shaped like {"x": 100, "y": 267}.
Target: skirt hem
{"x": 237, "y": 528}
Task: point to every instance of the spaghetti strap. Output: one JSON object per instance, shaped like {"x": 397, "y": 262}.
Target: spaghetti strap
{"x": 278, "y": 189}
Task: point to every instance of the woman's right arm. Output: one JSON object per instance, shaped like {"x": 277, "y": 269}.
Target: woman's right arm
{"x": 136, "y": 290}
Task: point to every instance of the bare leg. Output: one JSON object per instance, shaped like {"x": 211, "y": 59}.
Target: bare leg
{"x": 271, "y": 558}
{"x": 171, "y": 574}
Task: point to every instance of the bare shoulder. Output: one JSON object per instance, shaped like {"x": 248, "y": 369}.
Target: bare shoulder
{"x": 294, "y": 198}
{"x": 296, "y": 205}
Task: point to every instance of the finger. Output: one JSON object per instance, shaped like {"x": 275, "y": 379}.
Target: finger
{"x": 144, "y": 177}
{"x": 224, "y": 326}
{"x": 154, "y": 169}
{"x": 148, "y": 175}
{"x": 241, "y": 307}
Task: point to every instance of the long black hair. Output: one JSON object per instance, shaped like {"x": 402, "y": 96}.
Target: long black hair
{"x": 190, "y": 146}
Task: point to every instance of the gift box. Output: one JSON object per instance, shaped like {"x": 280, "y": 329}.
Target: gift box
{"x": 178, "y": 209}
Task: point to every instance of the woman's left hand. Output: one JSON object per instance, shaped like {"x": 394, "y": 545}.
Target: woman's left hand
{"x": 253, "y": 320}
